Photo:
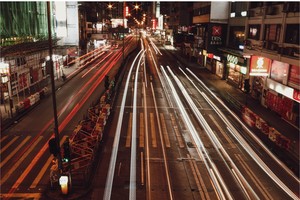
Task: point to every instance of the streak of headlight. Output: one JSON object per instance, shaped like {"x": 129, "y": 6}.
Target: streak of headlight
{"x": 204, "y": 124}
{"x": 248, "y": 149}
{"x": 160, "y": 77}
{"x": 213, "y": 137}
{"x": 155, "y": 47}
{"x": 200, "y": 147}
{"x": 132, "y": 183}
{"x": 112, "y": 164}
{"x": 96, "y": 64}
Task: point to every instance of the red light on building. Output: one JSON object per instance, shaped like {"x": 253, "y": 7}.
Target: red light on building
{"x": 126, "y": 11}
{"x": 210, "y": 55}
{"x": 259, "y": 66}
{"x": 153, "y": 23}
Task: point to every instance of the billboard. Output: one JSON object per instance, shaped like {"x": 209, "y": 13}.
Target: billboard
{"x": 279, "y": 71}
{"x": 259, "y": 66}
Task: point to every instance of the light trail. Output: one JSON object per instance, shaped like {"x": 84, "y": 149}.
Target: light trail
{"x": 199, "y": 144}
{"x": 246, "y": 146}
{"x": 218, "y": 146}
{"x": 112, "y": 164}
{"x": 132, "y": 182}
{"x": 155, "y": 47}
{"x": 96, "y": 64}
{"x": 162, "y": 145}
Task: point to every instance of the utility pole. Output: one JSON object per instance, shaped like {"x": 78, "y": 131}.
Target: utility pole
{"x": 53, "y": 87}
{"x": 123, "y": 28}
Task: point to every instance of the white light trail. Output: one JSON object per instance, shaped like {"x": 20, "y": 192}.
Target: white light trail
{"x": 217, "y": 144}
{"x": 246, "y": 146}
{"x": 199, "y": 145}
{"x": 132, "y": 182}
{"x": 112, "y": 164}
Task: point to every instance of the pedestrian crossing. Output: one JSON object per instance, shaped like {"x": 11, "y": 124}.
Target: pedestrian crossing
{"x": 19, "y": 172}
{"x": 167, "y": 130}
{"x": 16, "y": 168}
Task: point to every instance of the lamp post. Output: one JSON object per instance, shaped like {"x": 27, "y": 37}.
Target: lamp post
{"x": 53, "y": 87}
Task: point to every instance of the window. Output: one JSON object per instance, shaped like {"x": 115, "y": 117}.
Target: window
{"x": 237, "y": 35}
{"x": 254, "y": 31}
{"x": 292, "y": 34}
{"x": 272, "y": 32}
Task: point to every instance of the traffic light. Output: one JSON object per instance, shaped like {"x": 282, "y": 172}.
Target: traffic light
{"x": 246, "y": 85}
{"x": 53, "y": 147}
{"x": 67, "y": 152}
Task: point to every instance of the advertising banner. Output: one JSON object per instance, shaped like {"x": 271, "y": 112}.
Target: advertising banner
{"x": 279, "y": 71}
{"x": 294, "y": 77}
{"x": 259, "y": 66}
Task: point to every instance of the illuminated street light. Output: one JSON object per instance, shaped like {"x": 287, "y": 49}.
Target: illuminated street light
{"x": 109, "y": 6}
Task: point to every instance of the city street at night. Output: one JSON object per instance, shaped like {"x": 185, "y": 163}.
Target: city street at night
{"x": 149, "y": 100}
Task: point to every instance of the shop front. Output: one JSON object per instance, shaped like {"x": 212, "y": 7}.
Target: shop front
{"x": 281, "y": 91}
{"x": 219, "y": 65}
{"x": 284, "y": 100}
{"x": 236, "y": 70}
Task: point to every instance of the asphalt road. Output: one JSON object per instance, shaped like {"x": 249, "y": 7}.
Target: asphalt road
{"x": 168, "y": 137}
{"x": 181, "y": 155}
{"x": 25, "y": 158}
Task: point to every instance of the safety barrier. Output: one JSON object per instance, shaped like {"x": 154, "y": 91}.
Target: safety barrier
{"x": 86, "y": 137}
{"x": 276, "y": 137}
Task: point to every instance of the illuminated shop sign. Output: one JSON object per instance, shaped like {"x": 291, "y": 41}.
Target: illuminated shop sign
{"x": 259, "y": 66}
{"x": 217, "y": 57}
{"x": 216, "y": 38}
{"x": 232, "y": 59}
{"x": 243, "y": 70}
{"x": 284, "y": 90}
{"x": 279, "y": 71}
{"x": 294, "y": 76}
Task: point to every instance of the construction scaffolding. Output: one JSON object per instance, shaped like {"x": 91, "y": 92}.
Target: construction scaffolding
{"x": 23, "y": 22}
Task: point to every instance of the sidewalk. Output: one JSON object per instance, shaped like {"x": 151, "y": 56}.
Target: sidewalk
{"x": 226, "y": 91}
{"x": 10, "y": 116}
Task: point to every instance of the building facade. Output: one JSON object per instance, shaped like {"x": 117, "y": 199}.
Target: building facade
{"x": 25, "y": 48}
{"x": 272, "y": 44}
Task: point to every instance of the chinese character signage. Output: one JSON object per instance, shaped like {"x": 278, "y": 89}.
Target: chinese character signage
{"x": 259, "y": 66}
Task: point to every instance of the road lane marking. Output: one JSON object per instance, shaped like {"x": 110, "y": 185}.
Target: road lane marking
{"x": 222, "y": 131}
{"x": 164, "y": 129}
{"x": 22, "y": 195}
{"x": 153, "y": 132}
{"x": 14, "y": 151}
{"x": 43, "y": 170}
{"x": 8, "y": 144}
{"x": 19, "y": 162}
{"x": 142, "y": 168}
{"x": 128, "y": 137}
{"x": 3, "y": 138}
{"x": 142, "y": 131}
{"x": 256, "y": 181}
{"x": 196, "y": 177}
{"x": 177, "y": 134}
